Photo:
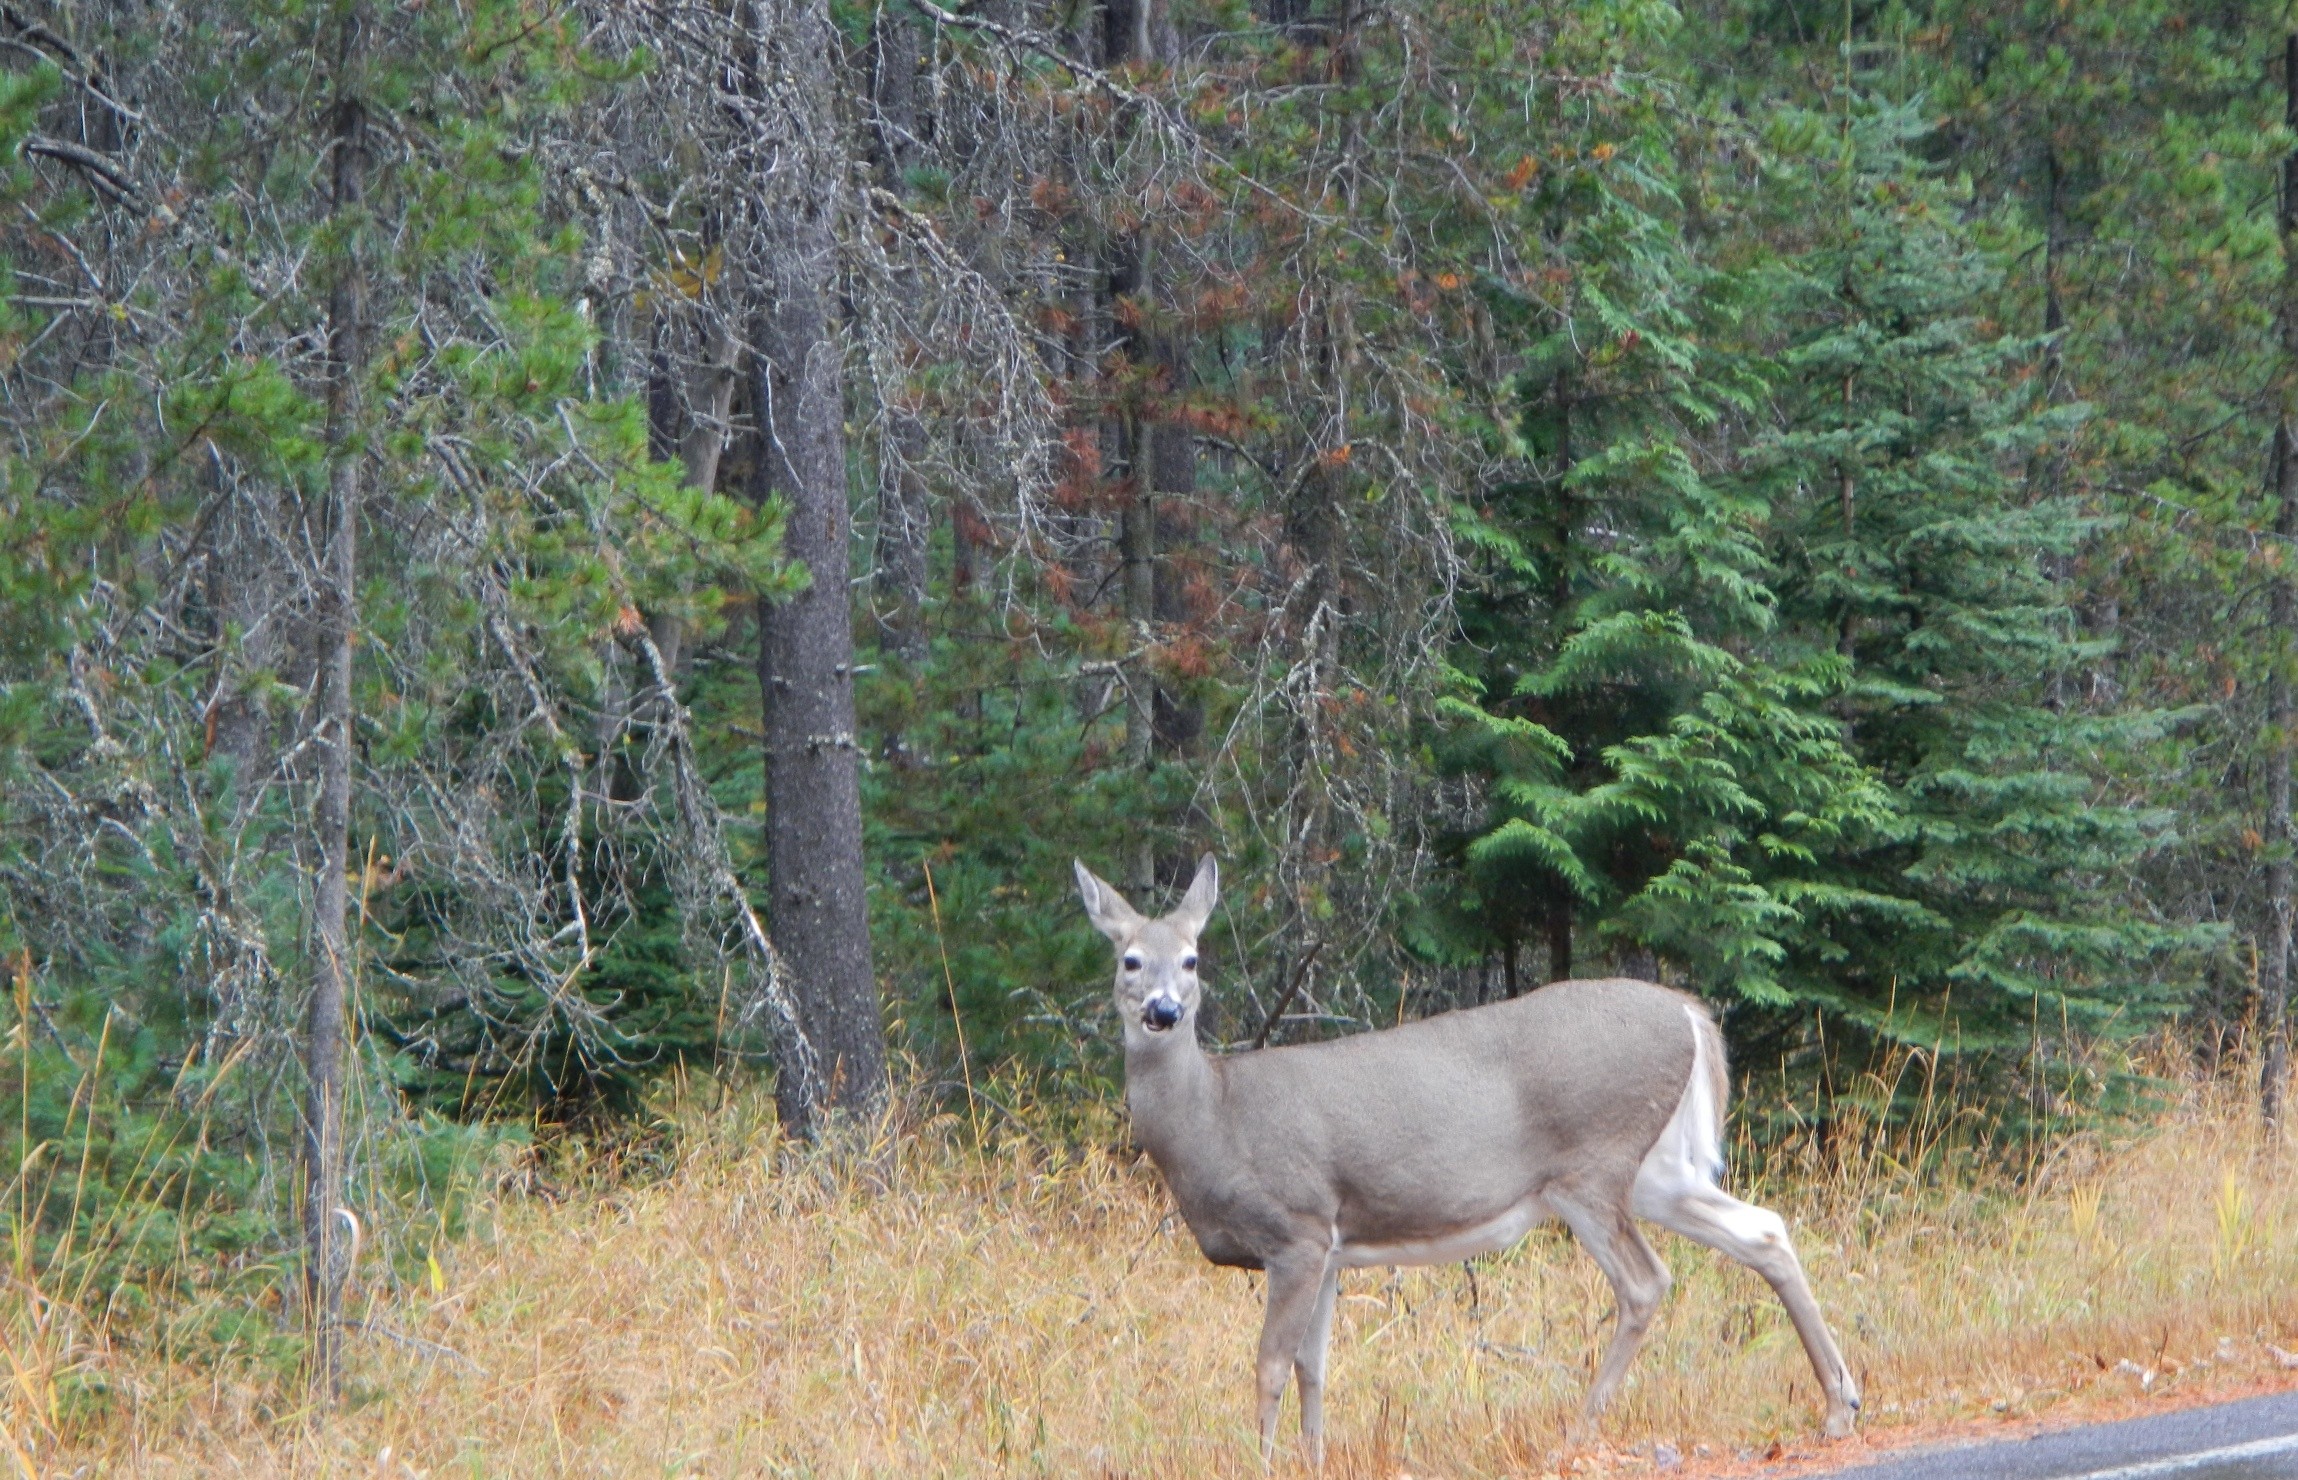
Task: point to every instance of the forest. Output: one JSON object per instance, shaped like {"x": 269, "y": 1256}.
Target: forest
{"x": 563, "y": 562}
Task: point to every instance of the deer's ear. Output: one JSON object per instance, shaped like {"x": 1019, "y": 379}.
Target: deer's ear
{"x": 1104, "y": 906}
{"x": 1196, "y": 906}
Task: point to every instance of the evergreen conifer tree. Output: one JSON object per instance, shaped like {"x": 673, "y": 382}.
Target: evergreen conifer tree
{"x": 1791, "y": 724}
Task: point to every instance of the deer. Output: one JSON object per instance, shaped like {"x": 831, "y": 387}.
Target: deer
{"x": 1596, "y": 1102}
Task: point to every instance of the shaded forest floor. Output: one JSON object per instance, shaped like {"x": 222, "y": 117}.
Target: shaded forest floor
{"x": 1036, "y": 1312}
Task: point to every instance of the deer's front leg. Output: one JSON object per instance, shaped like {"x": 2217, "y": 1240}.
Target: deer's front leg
{"x": 1309, "y": 1365}
{"x": 1296, "y": 1279}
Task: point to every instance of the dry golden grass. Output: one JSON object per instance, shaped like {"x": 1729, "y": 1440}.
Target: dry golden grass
{"x": 1033, "y": 1312}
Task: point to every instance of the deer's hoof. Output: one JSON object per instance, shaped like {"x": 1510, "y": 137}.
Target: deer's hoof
{"x": 1841, "y": 1420}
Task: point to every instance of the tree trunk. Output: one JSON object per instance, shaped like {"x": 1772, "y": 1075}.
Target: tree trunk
{"x": 1137, "y": 547}
{"x": 1314, "y": 530}
{"x": 2054, "y": 248}
{"x": 819, "y": 907}
{"x": 1124, "y": 37}
{"x": 905, "y": 532}
{"x": 1847, "y": 494}
{"x": 246, "y": 590}
{"x": 1289, "y": 17}
{"x": 1124, "y": 31}
{"x": 2274, "y": 974}
{"x": 1567, "y": 523}
{"x": 1179, "y": 718}
{"x": 1567, "y": 513}
{"x": 1560, "y": 934}
{"x": 697, "y": 426}
{"x": 1125, "y": 293}
{"x": 324, "y": 1269}
{"x": 1172, "y": 473}
{"x": 2046, "y": 470}
{"x": 905, "y": 513}
{"x": 893, "y": 90}
{"x": 2274, "y": 977}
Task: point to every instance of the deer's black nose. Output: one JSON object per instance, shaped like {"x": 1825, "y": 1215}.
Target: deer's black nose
{"x": 1161, "y": 1012}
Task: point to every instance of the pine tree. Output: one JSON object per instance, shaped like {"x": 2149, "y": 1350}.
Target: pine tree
{"x": 1791, "y": 727}
{"x": 332, "y": 536}
{"x": 1914, "y": 534}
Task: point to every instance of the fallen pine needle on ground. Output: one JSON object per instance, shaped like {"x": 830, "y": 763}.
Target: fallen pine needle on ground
{"x": 933, "y": 1310}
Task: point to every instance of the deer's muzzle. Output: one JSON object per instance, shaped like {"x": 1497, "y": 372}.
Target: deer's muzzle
{"x": 1160, "y": 1012}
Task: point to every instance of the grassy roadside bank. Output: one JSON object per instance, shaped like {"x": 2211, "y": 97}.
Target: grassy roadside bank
{"x": 1036, "y": 1312}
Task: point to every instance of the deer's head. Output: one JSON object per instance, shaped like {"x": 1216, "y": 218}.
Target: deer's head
{"x": 1157, "y": 989}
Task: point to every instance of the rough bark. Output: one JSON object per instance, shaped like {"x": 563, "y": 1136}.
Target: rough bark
{"x": 1137, "y": 548}
{"x": 2046, "y": 470}
{"x": 2274, "y": 973}
{"x": 246, "y": 589}
{"x": 1314, "y": 531}
{"x": 1180, "y": 718}
{"x": 1172, "y": 475}
{"x": 905, "y": 532}
{"x": 1289, "y": 16}
{"x": 1156, "y": 454}
{"x": 701, "y": 443}
{"x": 905, "y": 512}
{"x": 1561, "y": 904}
{"x": 1168, "y": 460}
{"x": 819, "y": 907}
{"x": 969, "y": 549}
{"x": 1124, "y": 38}
{"x": 1560, "y": 936}
{"x": 1847, "y": 495}
{"x": 2054, "y": 249}
{"x": 323, "y": 1229}
{"x": 1124, "y": 30}
{"x": 2274, "y": 976}
{"x": 1315, "y": 541}
{"x": 893, "y": 84}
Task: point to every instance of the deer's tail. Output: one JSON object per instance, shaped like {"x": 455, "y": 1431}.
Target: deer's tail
{"x": 1688, "y": 1156}
{"x": 1706, "y": 1093}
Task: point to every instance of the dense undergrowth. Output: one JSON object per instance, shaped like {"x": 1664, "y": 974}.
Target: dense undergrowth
{"x": 978, "y": 1293}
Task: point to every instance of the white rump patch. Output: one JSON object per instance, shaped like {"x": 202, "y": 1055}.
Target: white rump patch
{"x": 1688, "y": 1157}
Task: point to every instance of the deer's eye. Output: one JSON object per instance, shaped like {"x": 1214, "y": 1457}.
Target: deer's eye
{"x": 1132, "y": 963}
{"x": 1188, "y": 963}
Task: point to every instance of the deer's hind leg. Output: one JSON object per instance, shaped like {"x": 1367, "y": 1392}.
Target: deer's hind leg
{"x": 1639, "y": 1283}
{"x": 1297, "y": 1281}
{"x": 1757, "y": 1237}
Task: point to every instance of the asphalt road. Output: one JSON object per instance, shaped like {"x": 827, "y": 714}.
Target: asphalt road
{"x": 2256, "y": 1439}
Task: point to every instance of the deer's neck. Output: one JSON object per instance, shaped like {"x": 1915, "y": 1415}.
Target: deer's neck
{"x": 1170, "y": 1087}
